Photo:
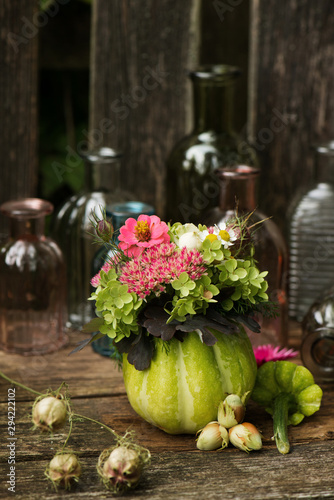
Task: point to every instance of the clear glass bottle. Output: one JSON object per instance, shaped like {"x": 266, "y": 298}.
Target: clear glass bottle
{"x": 72, "y": 227}
{"x": 32, "y": 282}
{"x": 311, "y": 236}
{"x": 317, "y": 348}
{"x": 213, "y": 143}
{"x": 238, "y": 193}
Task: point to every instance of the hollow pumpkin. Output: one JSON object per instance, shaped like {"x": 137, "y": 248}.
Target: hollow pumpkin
{"x": 181, "y": 390}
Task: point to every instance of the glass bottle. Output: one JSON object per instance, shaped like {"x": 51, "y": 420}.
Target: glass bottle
{"x": 191, "y": 183}
{"x": 238, "y": 193}
{"x": 72, "y": 227}
{"x": 311, "y": 229}
{"x": 32, "y": 282}
{"x": 317, "y": 348}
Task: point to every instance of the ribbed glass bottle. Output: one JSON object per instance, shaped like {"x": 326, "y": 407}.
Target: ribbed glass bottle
{"x": 32, "y": 282}
{"x": 238, "y": 194}
{"x": 311, "y": 237}
{"x": 191, "y": 184}
{"x": 72, "y": 228}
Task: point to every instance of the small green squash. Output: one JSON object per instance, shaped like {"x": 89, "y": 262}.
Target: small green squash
{"x": 181, "y": 390}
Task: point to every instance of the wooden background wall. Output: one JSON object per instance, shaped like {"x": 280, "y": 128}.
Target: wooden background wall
{"x": 284, "y": 48}
{"x": 18, "y": 100}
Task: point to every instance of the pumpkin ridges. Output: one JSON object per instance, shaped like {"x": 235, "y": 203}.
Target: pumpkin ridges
{"x": 185, "y": 398}
{"x": 160, "y": 400}
{"x": 200, "y": 367}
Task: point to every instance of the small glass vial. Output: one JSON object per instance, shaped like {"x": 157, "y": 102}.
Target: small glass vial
{"x": 32, "y": 282}
{"x": 317, "y": 349}
{"x": 238, "y": 194}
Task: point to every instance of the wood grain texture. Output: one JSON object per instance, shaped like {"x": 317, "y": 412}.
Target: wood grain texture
{"x": 141, "y": 52}
{"x": 291, "y": 103}
{"x": 18, "y": 100}
{"x": 178, "y": 470}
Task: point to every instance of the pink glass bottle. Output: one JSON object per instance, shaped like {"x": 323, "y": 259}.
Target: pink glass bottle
{"x": 238, "y": 191}
{"x": 32, "y": 282}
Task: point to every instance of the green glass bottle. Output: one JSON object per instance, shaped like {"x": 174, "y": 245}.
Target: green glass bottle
{"x": 191, "y": 182}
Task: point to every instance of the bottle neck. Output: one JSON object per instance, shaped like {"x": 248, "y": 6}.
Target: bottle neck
{"x": 26, "y": 228}
{"x": 102, "y": 176}
{"x": 238, "y": 189}
{"x": 26, "y": 217}
{"x": 213, "y": 107}
{"x": 324, "y": 168}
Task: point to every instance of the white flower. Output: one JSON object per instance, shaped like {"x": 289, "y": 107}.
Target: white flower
{"x": 188, "y": 235}
{"x": 191, "y": 241}
{"x": 219, "y": 232}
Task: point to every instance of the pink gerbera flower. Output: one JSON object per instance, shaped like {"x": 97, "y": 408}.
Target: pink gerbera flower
{"x": 145, "y": 232}
{"x": 264, "y": 353}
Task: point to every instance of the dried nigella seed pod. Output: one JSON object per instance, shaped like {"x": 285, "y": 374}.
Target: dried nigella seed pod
{"x": 63, "y": 470}
{"x": 49, "y": 413}
{"x": 120, "y": 468}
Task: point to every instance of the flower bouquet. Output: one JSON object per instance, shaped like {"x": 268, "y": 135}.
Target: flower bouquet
{"x": 174, "y": 300}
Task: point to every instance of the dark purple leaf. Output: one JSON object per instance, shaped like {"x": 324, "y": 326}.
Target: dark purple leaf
{"x": 84, "y": 343}
{"x": 140, "y": 350}
{"x": 141, "y": 353}
{"x": 249, "y": 322}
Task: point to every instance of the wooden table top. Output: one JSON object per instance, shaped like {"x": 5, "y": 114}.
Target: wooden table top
{"x": 177, "y": 470}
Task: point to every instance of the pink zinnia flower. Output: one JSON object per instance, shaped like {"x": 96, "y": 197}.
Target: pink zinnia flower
{"x": 264, "y": 353}
{"x": 145, "y": 232}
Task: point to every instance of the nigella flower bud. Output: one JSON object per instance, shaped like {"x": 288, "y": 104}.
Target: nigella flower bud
{"x": 246, "y": 437}
{"x": 63, "y": 470}
{"x": 212, "y": 437}
{"x": 242, "y": 236}
{"x": 231, "y": 411}
{"x": 105, "y": 230}
{"x": 49, "y": 413}
{"x": 121, "y": 468}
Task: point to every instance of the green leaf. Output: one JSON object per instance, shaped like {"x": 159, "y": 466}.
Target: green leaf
{"x": 241, "y": 273}
{"x": 231, "y": 265}
{"x": 93, "y": 325}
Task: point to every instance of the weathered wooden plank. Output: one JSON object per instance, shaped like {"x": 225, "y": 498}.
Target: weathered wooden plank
{"x": 18, "y": 99}
{"x": 178, "y": 469}
{"x": 141, "y": 52}
{"x": 85, "y": 372}
{"x": 211, "y": 475}
{"x": 115, "y": 411}
{"x": 291, "y": 93}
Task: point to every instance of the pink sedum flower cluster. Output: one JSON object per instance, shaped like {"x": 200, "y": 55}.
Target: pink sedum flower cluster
{"x": 145, "y": 232}
{"x": 95, "y": 281}
{"x": 158, "y": 266}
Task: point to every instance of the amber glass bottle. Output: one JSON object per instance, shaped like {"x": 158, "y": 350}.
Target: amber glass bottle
{"x": 238, "y": 194}
{"x": 191, "y": 183}
{"x": 33, "y": 282}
